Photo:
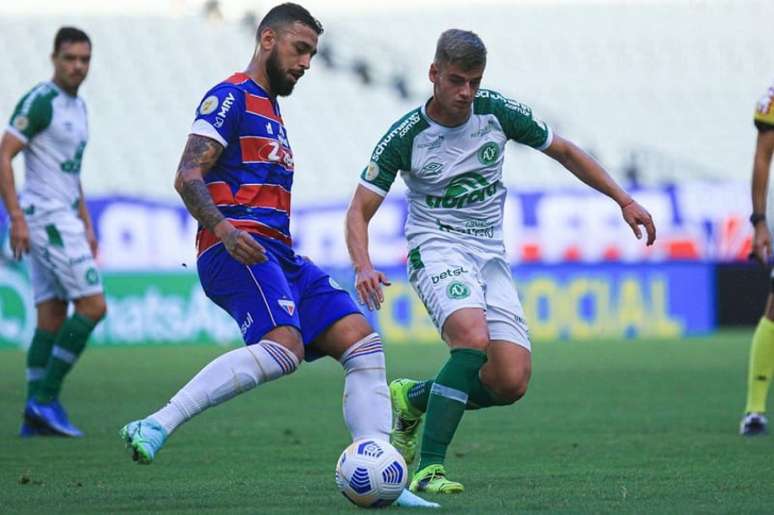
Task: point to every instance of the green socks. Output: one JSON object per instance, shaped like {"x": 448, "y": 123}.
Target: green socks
{"x": 69, "y": 343}
{"x": 37, "y": 359}
{"x": 446, "y": 403}
{"x": 479, "y": 396}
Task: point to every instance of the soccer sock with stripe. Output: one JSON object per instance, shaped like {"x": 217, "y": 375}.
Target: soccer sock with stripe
{"x": 446, "y": 404}
{"x": 227, "y": 376}
{"x": 37, "y": 359}
{"x": 761, "y": 366}
{"x": 479, "y": 396}
{"x": 367, "y": 410}
{"x": 68, "y": 346}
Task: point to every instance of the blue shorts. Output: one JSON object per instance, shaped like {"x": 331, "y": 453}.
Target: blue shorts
{"x": 285, "y": 290}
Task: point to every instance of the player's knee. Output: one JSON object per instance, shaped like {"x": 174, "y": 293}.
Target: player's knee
{"x": 94, "y": 308}
{"x": 509, "y": 393}
{"x": 470, "y": 337}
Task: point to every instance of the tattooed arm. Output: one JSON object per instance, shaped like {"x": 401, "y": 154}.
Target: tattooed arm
{"x": 198, "y": 158}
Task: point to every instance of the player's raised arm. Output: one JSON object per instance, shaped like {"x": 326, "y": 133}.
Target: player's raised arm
{"x": 585, "y": 168}
{"x": 368, "y": 281}
{"x": 10, "y": 145}
{"x": 198, "y": 158}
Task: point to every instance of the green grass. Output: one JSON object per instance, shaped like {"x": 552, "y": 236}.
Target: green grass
{"x": 648, "y": 427}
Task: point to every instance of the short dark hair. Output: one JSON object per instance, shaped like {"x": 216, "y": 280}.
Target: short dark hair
{"x": 461, "y": 47}
{"x": 285, "y": 14}
{"x": 69, "y": 35}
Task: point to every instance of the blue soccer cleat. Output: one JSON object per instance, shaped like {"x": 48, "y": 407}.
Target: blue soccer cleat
{"x": 29, "y": 430}
{"x": 753, "y": 424}
{"x": 409, "y": 500}
{"x": 50, "y": 416}
{"x": 144, "y": 438}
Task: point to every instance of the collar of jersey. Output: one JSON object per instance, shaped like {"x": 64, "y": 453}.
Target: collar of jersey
{"x": 441, "y": 126}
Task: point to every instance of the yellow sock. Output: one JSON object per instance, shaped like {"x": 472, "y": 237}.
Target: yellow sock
{"x": 761, "y": 366}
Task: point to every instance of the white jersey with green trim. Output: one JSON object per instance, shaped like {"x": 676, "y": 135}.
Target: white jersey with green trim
{"x": 454, "y": 174}
{"x": 54, "y": 128}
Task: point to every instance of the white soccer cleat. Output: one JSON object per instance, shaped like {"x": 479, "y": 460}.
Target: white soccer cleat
{"x": 410, "y": 500}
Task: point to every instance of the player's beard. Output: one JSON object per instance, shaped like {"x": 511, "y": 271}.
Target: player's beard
{"x": 278, "y": 79}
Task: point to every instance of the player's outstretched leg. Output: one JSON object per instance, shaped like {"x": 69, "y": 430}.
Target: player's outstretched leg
{"x": 225, "y": 377}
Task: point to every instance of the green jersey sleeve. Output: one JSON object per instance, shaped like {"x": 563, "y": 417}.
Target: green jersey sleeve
{"x": 392, "y": 154}
{"x": 33, "y": 113}
{"x": 516, "y": 119}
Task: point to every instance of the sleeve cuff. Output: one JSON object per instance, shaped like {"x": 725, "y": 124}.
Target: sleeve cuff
{"x": 17, "y": 134}
{"x": 376, "y": 189}
{"x": 549, "y": 139}
{"x": 204, "y": 128}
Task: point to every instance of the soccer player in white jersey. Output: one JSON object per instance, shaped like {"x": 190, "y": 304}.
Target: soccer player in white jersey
{"x": 49, "y": 222}
{"x": 450, "y": 153}
{"x": 761, "y": 369}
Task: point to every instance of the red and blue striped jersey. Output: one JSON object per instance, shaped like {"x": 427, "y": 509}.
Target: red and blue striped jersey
{"x": 251, "y": 181}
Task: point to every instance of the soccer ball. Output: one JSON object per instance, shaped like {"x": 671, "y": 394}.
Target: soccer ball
{"x": 371, "y": 473}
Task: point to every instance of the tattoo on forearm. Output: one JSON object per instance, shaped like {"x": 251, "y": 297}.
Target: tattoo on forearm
{"x": 202, "y": 153}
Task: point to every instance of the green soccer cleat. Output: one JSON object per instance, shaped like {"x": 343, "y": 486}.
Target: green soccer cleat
{"x": 406, "y": 420}
{"x": 432, "y": 479}
{"x": 144, "y": 438}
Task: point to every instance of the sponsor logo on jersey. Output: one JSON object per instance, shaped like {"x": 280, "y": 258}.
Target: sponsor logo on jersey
{"x": 372, "y": 172}
{"x": 334, "y": 284}
{"x": 245, "y": 325}
{"x": 458, "y": 290}
{"x": 489, "y": 153}
{"x": 227, "y": 103}
{"x": 287, "y": 305}
{"x": 269, "y": 128}
{"x": 432, "y": 144}
{"x": 448, "y": 274}
{"x": 471, "y": 229}
{"x": 464, "y": 190}
{"x": 483, "y": 131}
{"x": 209, "y": 105}
{"x": 22, "y": 122}
{"x": 399, "y": 131}
{"x": 431, "y": 169}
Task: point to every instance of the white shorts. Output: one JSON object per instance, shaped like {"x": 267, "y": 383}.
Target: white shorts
{"x": 450, "y": 277}
{"x": 61, "y": 264}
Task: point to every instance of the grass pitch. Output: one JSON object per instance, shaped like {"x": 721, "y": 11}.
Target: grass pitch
{"x": 613, "y": 427}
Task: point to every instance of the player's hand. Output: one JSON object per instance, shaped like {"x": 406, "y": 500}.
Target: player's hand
{"x": 368, "y": 284}
{"x": 20, "y": 237}
{"x": 761, "y": 244}
{"x": 635, "y": 215}
{"x": 240, "y": 244}
{"x": 92, "y": 239}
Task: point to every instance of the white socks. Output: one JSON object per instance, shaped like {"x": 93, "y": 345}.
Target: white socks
{"x": 367, "y": 409}
{"x": 227, "y": 376}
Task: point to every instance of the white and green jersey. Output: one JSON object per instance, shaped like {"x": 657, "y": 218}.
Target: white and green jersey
{"x": 53, "y": 126}
{"x": 454, "y": 174}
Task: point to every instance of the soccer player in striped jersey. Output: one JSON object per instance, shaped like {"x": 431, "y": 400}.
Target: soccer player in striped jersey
{"x": 51, "y": 224}
{"x": 761, "y": 367}
{"x": 235, "y": 177}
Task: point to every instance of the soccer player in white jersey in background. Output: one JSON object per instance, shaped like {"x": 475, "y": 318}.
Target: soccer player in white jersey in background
{"x": 450, "y": 152}
{"x": 50, "y": 222}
